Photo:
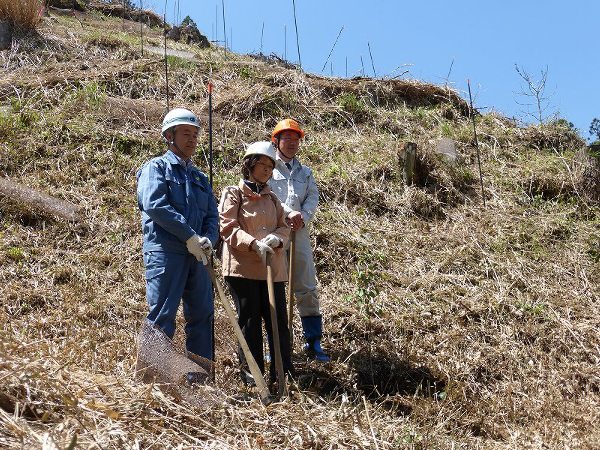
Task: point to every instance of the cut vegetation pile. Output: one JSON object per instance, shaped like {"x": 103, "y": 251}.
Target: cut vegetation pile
{"x": 450, "y": 325}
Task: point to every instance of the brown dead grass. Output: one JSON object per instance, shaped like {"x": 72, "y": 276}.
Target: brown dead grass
{"x": 450, "y": 325}
{"x": 25, "y": 14}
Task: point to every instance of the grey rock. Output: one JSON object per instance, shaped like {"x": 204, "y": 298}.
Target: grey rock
{"x": 447, "y": 148}
{"x": 5, "y": 35}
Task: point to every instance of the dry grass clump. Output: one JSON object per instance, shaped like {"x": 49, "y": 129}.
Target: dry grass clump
{"x": 552, "y": 136}
{"x": 391, "y": 93}
{"x": 148, "y": 17}
{"x": 450, "y": 181}
{"x": 423, "y": 204}
{"x": 25, "y": 14}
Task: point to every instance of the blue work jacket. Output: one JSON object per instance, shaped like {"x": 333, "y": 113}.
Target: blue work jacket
{"x": 176, "y": 202}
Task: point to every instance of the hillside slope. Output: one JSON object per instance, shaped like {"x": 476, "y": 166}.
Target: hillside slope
{"x": 451, "y": 325}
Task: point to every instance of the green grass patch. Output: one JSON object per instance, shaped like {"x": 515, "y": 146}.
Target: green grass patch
{"x": 15, "y": 253}
{"x": 176, "y": 62}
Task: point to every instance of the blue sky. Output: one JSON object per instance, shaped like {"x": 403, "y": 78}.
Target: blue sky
{"x": 482, "y": 40}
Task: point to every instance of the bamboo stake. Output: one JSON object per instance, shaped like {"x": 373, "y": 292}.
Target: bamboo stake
{"x": 297, "y": 38}
{"x": 224, "y": 31}
{"x": 331, "y": 51}
{"x": 372, "y": 63}
{"x": 166, "y": 62}
{"x": 476, "y": 143}
{"x": 142, "y": 26}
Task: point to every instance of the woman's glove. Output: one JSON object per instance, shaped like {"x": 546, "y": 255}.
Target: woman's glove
{"x": 262, "y": 249}
{"x": 200, "y": 247}
{"x": 271, "y": 240}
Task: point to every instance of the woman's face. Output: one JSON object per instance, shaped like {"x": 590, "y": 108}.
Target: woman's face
{"x": 262, "y": 170}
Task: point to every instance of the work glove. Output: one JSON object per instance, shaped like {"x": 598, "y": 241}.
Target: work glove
{"x": 271, "y": 240}
{"x": 200, "y": 247}
{"x": 262, "y": 249}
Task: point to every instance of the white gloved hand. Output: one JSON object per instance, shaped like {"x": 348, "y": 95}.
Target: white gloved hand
{"x": 262, "y": 249}
{"x": 199, "y": 247}
{"x": 271, "y": 240}
{"x": 206, "y": 244}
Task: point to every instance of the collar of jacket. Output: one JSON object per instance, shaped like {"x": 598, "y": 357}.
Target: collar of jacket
{"x": 280, "y": 162}
{"x": 247, "y": 192}
{"x": 174, "y": 159}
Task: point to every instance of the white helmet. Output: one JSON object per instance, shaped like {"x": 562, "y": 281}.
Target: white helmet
{"x": 179, "y": 116}
{"x": 261, "y": 148}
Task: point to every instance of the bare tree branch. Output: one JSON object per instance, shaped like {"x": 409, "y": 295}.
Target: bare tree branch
{"x": 535, "y": 90}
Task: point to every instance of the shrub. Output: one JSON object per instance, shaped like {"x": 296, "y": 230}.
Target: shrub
{"x": 23, "y": 13}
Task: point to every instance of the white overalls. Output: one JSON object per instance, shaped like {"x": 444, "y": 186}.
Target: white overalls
{"x": 297, "y": 190}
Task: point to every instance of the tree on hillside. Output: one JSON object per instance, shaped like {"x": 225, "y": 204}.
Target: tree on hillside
{"x": 535, "y": 90}
{"x": 188, "y": 21}
{"x": 595, "y": 129}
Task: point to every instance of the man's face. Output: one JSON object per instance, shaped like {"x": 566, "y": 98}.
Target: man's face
{"x": 186, "y": 140}
{"x": 289, "y": 142}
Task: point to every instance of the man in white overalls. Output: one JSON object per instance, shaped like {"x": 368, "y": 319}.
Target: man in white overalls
{"x": 294, "y": 184}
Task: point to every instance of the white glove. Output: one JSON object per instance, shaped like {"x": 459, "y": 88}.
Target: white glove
{"x": 199, "y": 247}
{"x": 206, "y": 244}
{"x": 271, "y": 240}
{"x": 262, "y": 249}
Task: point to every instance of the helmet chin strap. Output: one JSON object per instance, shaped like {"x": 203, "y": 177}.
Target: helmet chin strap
{"x": 172, "y": 141}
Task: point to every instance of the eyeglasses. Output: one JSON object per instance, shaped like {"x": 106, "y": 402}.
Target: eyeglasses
{"x": 268, "y": 166}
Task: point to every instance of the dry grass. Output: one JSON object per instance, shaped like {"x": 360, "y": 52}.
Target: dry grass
{"x": 450, "y": 325}
{"x": 25, "y": 14}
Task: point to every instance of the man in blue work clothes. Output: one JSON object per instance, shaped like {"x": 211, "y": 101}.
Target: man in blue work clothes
{"x": 180, "y": 226}
{"x": 296, "y": 188}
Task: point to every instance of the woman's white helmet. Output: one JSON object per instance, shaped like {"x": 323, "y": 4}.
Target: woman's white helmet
{"x": 179, "y": 116}
{"x": 261, "y": 148}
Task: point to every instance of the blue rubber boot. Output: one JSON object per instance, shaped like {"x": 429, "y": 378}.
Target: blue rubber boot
{"x": 313, "y": 332}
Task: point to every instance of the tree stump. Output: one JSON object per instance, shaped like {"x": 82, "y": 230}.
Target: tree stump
{"x": 407, "y": 160}
{"x": 5, "y": 35}
{"x": 588, "y": 173}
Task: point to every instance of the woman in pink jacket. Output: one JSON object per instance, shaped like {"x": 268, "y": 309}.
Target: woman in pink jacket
{"x": 252, "y": 225}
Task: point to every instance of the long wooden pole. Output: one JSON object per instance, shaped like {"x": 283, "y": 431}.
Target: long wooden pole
{"x": 261, "y": 385}
{"x": 291, "y": 289}
{"x": 210, "y": 134}
{"x": 210, "y": 179}
{"x": 281, "y": 389}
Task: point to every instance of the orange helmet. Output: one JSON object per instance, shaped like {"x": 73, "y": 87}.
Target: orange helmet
{"x": 284, "y": 125}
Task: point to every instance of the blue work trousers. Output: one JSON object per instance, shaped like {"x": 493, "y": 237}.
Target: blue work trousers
{"x": 171, "y": 277}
